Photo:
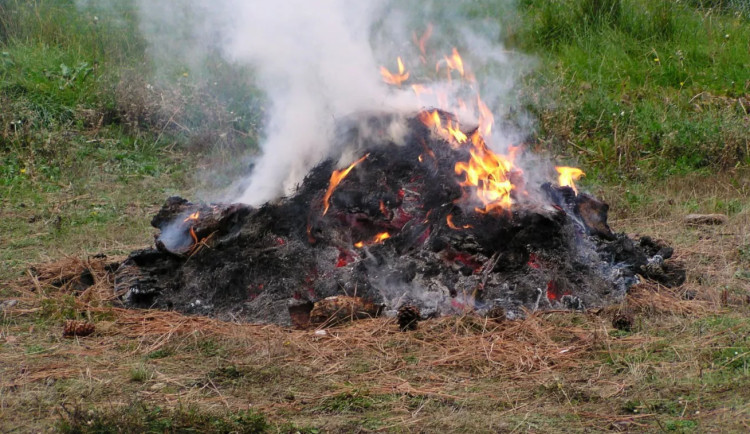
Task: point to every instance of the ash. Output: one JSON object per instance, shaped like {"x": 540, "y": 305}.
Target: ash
{"x": 397, "y": 231}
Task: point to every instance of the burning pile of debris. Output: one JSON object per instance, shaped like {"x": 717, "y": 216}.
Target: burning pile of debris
{"x": 427, "y": 222}
{"x": 418, "y": 217}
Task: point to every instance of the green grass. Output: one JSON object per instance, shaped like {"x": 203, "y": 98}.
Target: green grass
{"x": 92, "y": 139}
{"x": 633, "y": 89}
{"x": 640, "y": 88}
{"x": 140, "y": 374}
{"x": 143, "y": 417}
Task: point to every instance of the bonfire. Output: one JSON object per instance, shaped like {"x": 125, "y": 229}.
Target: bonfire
{"x": 421, "y": 218}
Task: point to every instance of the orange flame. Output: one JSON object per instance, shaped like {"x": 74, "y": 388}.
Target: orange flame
{"x": 336, "y": 177}
{"x": 449, "y": 220}
{"x": 456, "y": 133}
{"x": 377, "y": 239}
{"x": 489, "y": 175}
{"x": 568, "y": 175}
{"x": 420, "y": 89}
{"x": 486, "y": 119}
{"x": 452, "y": 225}
{"x": 455, "y": 62}
{"x": 193, "y": 216}
{"x": 422, "y": 41}
{"x": 452, "y": 134}
{"x": 310, "y": 238}
{"x": 395, "y": 79}
{"x": 431, "y": 119}
{"x": 486, "y": 172}
{"x": 384, "y": 209}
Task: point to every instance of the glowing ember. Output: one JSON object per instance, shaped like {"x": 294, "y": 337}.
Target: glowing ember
{"x": 384, "y": 209}
{"x": 532, "y": 262}
{"x": 568, "y": 175}
{"x": 336, "y": 177}
{"x": 554, "y": 292}
{"x": 359, "y": 244}
{"x": 395, "y": 79}
{"x": 344, "y": 259}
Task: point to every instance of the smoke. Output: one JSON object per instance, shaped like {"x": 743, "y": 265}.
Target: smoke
{"x": 314, "y": 62}
{"x": 318, "y": 62}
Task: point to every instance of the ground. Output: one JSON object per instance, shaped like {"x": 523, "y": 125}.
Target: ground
{"x": 683, "y": 366}
{"x": 659, "y": 125}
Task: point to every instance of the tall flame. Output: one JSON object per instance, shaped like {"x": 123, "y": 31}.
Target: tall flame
{"x": 336, "y": 177}
{"x": 422, "y": 40}
{"x": 452, "y": 134}
{"x": 395, "y": 79}
{"x": 456, "y": 133}
{"x": 568, "y": 175}
{"x": 455, "y": 62}
{"x": 488, "y": 174}
{"x": 486, "y": 119}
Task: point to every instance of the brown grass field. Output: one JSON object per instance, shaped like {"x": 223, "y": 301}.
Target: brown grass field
{"x": 683, "y": 367}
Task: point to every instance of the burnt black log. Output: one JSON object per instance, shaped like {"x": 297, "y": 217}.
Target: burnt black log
{"x": 184, "y": 225}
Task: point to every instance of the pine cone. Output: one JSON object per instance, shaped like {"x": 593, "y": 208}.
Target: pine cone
{"x": 77, "y": 328}
{"x": 408, "y": 315}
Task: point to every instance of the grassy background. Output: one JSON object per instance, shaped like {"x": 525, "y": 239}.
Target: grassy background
{"x": 641, "y": 88}
{"x": 651, "y": 98}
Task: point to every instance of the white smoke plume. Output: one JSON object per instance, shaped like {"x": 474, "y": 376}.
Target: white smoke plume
{"x": 318, "y": 61}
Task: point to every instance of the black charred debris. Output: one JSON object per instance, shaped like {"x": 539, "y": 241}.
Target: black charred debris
{"x": 278, "y": 262}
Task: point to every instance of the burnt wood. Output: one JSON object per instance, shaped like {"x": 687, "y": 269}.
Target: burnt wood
{"x": 280, "y": 262}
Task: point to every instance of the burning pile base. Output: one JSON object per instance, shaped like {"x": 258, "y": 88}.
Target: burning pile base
{"x": 391, "y": 230}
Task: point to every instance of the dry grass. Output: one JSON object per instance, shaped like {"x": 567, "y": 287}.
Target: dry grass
{"x": 682, "y": 367}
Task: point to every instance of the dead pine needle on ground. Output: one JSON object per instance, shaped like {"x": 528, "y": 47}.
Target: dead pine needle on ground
{"x": 683, "y": 364}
